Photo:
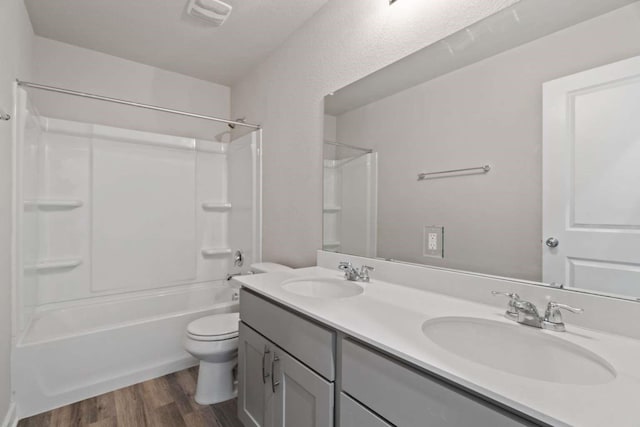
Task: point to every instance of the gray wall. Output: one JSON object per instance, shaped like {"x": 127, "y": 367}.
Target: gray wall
{"x": 343, "y": 42}
{"x": 15, "y": 55}
{"x": 72, "y": 67}
{"x": 488, "y": 112}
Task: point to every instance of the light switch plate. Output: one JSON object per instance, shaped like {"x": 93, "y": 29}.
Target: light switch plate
{"x": 433, "y": 241}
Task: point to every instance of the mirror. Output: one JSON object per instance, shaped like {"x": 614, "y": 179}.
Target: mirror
{"x": 510, "y": 148}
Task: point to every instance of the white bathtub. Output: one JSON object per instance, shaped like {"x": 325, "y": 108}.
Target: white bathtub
{"x": 72, "y": 353}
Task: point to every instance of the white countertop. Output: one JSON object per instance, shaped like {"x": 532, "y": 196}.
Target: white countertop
{"x": 390, "y": 317}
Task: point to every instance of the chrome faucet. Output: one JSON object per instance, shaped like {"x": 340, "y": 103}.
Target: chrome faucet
{"x": 353, "y": 274}
{"x": 527, "y": 313}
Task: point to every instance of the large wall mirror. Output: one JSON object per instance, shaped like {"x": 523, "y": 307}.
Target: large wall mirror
{"x": 510, "y": 148}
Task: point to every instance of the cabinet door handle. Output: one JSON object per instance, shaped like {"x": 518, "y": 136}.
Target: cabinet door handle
{"x": 274, "y": 383}
{"x": 265, "y": 374}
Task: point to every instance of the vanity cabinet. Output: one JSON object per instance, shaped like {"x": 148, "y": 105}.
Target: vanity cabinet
{"x": 287, "y": 378}
{"x": 307, "y": 341}
{"x": 353, "y": 414}
{"x": 409, "y": 398}
{"x": 255, "y": 399}
{"x": 275, "y": 388}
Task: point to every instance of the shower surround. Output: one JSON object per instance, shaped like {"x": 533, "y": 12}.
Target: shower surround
{"x": 122, "y": 238}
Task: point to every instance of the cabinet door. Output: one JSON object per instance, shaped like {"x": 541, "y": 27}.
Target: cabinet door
{"x": 254, "y": 382}
{"x": 302, "y": 397}
{"x": 406, "y": 397}
{"x": 352, "y": 414}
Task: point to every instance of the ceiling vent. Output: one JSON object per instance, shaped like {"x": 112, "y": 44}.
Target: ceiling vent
{"x": 213, "y": 11}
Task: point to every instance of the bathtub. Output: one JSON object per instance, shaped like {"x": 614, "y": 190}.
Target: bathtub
{"x": 71, "y": 353}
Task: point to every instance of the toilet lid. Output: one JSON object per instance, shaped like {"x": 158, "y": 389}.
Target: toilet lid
{"x": 220, "y": 326}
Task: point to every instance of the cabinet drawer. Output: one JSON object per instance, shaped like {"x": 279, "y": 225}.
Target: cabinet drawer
{"x": 409, "y": 398}
{"x": 310, "y": 343}
{"x": 353, "y": 414}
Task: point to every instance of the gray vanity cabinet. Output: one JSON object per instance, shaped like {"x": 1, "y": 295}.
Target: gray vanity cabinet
{"x": 353, "y": 414}
{"x": 408, "y": 398}
{"x": 275, "y": 388}
{"x": 302, "y": 397}
{"x": 287, "y": 378}
{"x": 255, "y": 399}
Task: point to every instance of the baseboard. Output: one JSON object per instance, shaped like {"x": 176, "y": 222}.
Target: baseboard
{"x": 11, "y": 418}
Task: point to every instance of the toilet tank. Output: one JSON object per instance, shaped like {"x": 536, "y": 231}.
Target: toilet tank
{"x": 268, "y": 267}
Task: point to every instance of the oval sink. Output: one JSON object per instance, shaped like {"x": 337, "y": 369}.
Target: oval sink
{"x": 322, "y": 288}
{"x": 518, "y": 350}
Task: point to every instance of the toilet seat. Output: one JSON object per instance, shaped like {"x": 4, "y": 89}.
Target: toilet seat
{"x": 217, "y": 327}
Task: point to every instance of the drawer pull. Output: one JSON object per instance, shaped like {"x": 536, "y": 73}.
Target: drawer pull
{"x": 265, "y": 374}
{"x": 274, "y": 383}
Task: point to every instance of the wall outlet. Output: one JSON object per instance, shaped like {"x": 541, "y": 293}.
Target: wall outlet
{"x": 433, "y": 241}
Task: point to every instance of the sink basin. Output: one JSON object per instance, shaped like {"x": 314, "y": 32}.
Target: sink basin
{"x": 519, "y": 350}
{"x": 322, "y": 288}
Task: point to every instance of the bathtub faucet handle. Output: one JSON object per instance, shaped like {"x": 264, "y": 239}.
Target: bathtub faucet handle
{"x": 238, "y": 259}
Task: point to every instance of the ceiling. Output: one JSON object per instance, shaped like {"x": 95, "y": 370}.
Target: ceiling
{"x": 161, "y": 34}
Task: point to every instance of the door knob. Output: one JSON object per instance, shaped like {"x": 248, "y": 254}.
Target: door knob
{"x": 552, "y": 242}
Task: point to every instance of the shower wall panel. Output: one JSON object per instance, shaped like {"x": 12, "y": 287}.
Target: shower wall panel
{"x": 143, "y": 211}
{"x": 114, "y": 210}
{"x": 244, "y": 196}
{"x": 213, "y": 210}
{"x": 29, "y": 131}
{"x": 62, "y": 206}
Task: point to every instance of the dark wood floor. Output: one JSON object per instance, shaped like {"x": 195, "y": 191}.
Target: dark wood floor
{"x": 166, "y": 401}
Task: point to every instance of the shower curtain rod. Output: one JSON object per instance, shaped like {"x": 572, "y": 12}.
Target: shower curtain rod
{"x": 134, "y": 104}
{"x": 341, "y": 144}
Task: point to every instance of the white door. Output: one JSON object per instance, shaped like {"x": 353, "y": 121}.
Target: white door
{"x": 591, "y": 179}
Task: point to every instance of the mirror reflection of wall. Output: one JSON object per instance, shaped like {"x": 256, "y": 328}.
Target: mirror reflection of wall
{"x": 350, "y": 196}
{"x": 489, "y": 111}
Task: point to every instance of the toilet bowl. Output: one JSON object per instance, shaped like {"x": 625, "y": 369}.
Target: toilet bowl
{"x": 214, "y": 341}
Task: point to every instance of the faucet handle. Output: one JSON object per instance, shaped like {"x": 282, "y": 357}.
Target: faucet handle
{"x": 553, "y": 310}
{"x": 364, "y": 272}
{"x": 511, "y": 295}
{"x": 350, "y": 273}
{"x": 553, "y": 316}
{"x": 512, "y": 309}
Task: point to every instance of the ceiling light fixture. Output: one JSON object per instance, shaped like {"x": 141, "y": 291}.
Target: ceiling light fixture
{"x": 213, "y": 11}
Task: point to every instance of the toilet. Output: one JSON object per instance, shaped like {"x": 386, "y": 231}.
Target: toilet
{"x": 213, "y": 340}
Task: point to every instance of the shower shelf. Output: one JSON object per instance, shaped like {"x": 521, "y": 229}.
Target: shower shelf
{"x": 52, "y": 204}
{"x": 333, "y": 244}
{"x": 212, "y": 206}
{"x": 332, "y": 209}
{"x": 216, "y": 251}
{"x": 54, "y": 264}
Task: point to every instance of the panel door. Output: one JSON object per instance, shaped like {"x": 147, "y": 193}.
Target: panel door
{"x": 591, "y": 198}
{"x": 255, "y": 398}
{"x": 302, "y": 397}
